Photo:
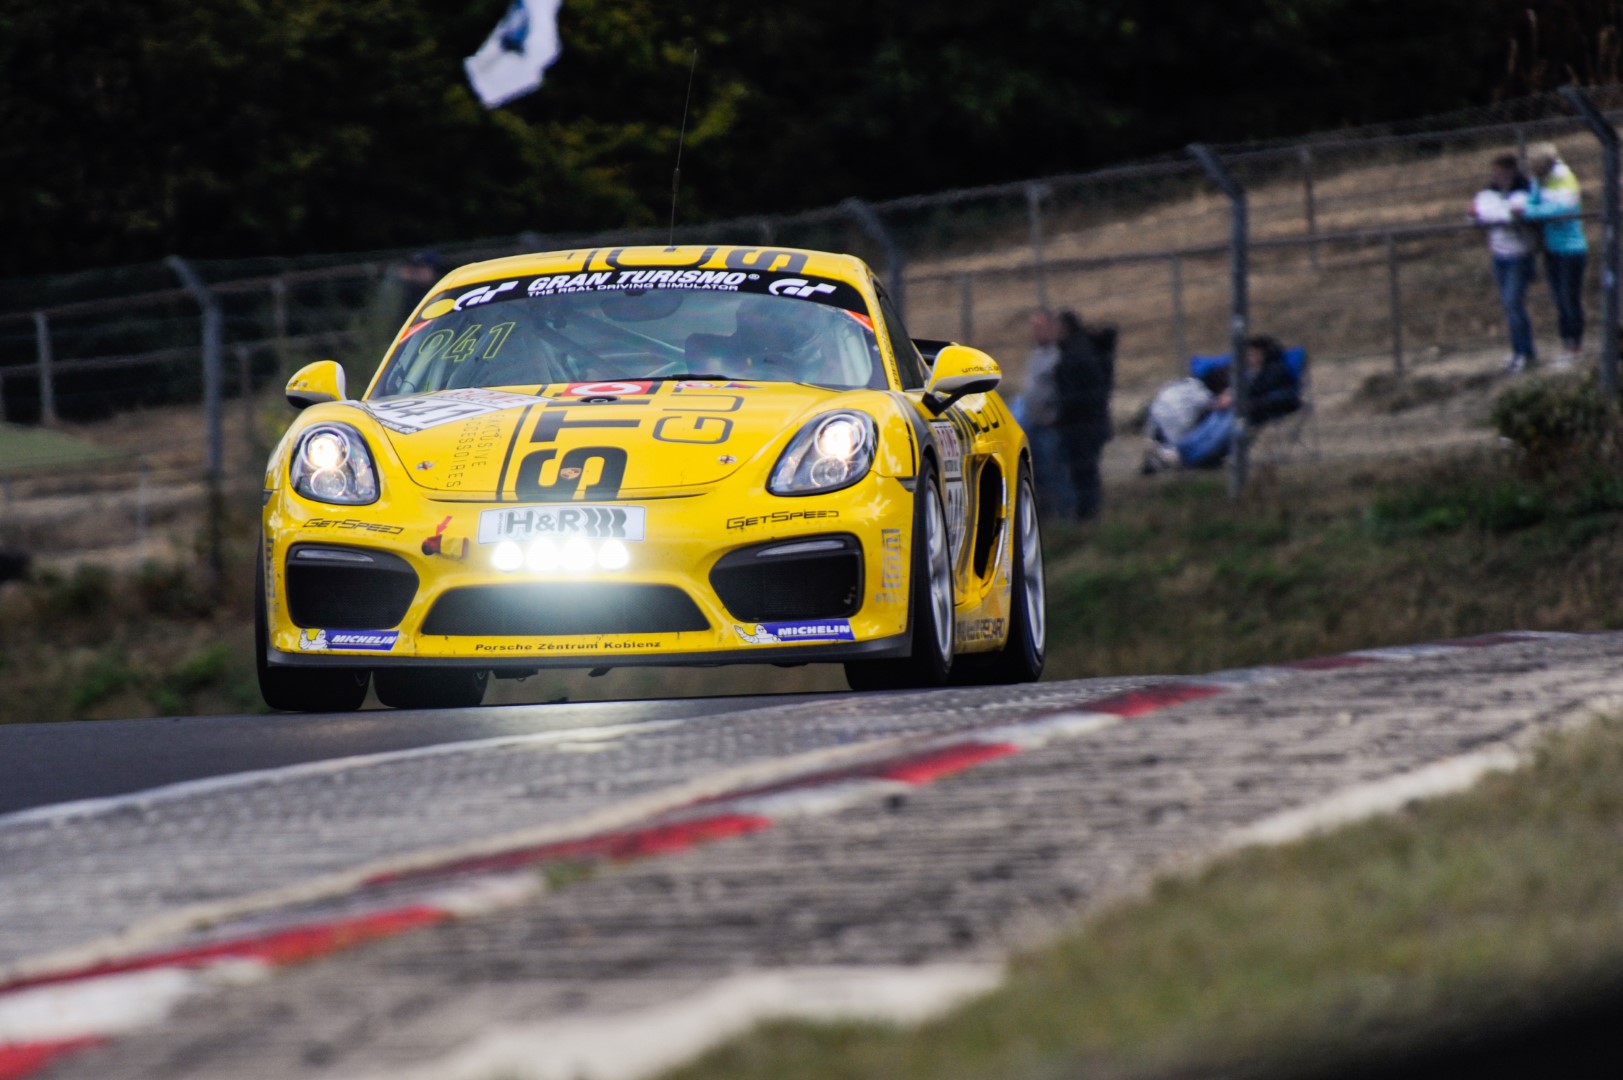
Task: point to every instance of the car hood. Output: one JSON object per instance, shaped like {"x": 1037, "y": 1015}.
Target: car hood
{"x": 597, "y": 440}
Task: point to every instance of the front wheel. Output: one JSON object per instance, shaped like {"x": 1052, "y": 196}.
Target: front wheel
{"x": 1024, "y": 650}
{"x": 931, "y": 604}
{"x": 430, "y": 688}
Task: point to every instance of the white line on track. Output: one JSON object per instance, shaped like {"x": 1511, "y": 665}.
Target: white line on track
{"x": 562, "y": 738}
{"x": 642, "y": 1042}
{"x": 1379, "y": 797}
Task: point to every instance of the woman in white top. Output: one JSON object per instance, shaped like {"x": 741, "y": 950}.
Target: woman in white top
{"x": 1498, "y": 208}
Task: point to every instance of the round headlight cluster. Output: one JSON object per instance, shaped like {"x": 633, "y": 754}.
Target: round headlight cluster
{"x": 331, "y": 464}
{"x": 830, "y": 452}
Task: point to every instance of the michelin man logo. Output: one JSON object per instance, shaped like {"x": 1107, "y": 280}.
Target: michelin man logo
{"x": 313, "y": 641}
{"x": 761, "y": 636}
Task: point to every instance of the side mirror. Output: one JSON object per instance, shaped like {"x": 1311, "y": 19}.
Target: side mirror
{"x": 314, "y": 383}
{"x": 959, "y": 371}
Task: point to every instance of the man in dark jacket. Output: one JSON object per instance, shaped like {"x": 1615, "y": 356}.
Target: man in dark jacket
{"x": 1083, "y": 381}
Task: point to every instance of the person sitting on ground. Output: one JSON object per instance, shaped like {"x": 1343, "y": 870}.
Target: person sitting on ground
{"x": 1272, "y": 391}
{"x": 1173, "y": 413}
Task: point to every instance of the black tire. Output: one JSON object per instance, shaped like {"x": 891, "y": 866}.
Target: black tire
{"x": 430, "y": 688}
{"x": 930, "y": 611}
{"x": 1021, "y": 658}
{"x": 294, "y": 689}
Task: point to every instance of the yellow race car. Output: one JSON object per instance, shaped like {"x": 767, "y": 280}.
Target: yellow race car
{"x": 660, "y": 455}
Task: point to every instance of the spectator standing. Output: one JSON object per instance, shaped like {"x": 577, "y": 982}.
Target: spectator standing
{"x": 1083, "y": 381}
{"x": 1038, "y": 410}
{"x": 1497, "y": 208}
{"x": 1555, "y": 200}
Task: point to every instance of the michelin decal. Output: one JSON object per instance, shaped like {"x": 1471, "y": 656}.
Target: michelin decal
{"x": 787, "y": 633}
{"x": 353, "y": 640}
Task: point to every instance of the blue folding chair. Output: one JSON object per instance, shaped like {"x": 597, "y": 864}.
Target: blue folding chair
{"x": 1293, "y": 430}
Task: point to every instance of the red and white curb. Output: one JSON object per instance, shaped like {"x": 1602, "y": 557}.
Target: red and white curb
{"x": 45, "y": 1015}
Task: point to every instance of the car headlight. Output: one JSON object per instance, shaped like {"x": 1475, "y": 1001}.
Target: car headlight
{"x": 831, "y": 452}
{"x": 331, "y": 464}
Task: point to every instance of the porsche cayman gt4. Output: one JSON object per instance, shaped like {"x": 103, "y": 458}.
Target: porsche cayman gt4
{"x": 681, "y": 456}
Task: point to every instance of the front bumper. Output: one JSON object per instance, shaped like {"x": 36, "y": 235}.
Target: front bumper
{"x": 683, "y": 539}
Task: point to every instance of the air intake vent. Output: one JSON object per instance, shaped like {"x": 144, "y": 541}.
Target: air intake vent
{"x": 809, "y": 577}
{"x": 348, "y": 587}
{"x": 563, "y": 610}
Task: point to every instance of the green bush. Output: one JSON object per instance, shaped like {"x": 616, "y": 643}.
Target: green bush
{"x": 108, "y": 676}
{"x": 88, "y": 591}
{"x": 1557, "y": 421}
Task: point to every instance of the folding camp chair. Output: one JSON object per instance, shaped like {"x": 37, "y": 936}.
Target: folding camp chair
{"x": 1292, "y": 432}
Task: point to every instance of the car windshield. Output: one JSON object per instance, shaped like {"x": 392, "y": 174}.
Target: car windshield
{"x": 765, "y": 327}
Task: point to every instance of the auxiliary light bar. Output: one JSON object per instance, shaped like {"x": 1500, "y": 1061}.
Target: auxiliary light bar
{"x": 576, "y": 555}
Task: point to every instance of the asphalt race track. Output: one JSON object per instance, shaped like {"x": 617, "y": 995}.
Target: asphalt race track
{"x": 405, "y": 888}
{"x": 41, "y": 764}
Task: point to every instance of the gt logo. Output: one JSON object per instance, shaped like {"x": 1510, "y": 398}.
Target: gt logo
{"x": 799, "y": 287}
{"x": 484, "y": 294}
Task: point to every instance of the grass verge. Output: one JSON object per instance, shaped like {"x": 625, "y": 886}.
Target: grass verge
{"x": 1178, "y": 578}
{"x": 24, "y": 449}
{"x": 1445, "y": 919}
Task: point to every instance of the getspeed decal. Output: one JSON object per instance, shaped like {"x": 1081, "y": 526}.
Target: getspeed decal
{"x": 351, "y": 525}
{"x": 781, "y": 517}
{"x": 784, "y": 633}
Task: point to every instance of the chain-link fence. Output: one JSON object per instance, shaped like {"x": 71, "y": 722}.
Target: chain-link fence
{"x": 1360, "y": 248}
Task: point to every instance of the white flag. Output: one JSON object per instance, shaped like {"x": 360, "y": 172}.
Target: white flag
{"x": 510, "y": 62}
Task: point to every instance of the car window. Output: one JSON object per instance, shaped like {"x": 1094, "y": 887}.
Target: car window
{"x": 609, "y": 326}
{"x": 908, "y": 361}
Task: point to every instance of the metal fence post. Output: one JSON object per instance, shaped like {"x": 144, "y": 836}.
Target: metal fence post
{"x": 1394, "y": 299}
{"x": 895, "y": 262}
{"x": 1239, "y": 271}
{"x": 245, "y": 383}
{"x": 1310, "y": 205}
{"x": 279, "y": 323}
{"x": 1606, "y": 134}
{"x": 966, "y": 308}
{"x": 213, "y": 379}
{"x": 47, "y": 381}
{"x": 1180, "y": 333}
{"x": 1035, "y": 194}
